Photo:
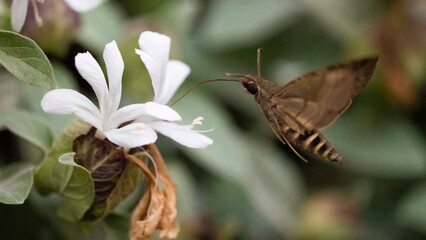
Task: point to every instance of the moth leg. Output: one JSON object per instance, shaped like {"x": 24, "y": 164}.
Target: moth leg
{"x": 286, "y": 141}
{"x": 276, "y": 134}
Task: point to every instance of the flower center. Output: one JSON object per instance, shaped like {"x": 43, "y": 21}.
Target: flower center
{"x": 140, "y": 126}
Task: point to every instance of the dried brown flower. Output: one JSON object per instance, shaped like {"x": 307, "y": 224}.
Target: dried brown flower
{"x": 157, "y": 208}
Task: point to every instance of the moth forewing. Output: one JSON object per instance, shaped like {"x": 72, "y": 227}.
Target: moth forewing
{"x": 317, "y": 99}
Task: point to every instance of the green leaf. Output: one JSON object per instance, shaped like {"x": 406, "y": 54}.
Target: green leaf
{"x": 79, "y": 191}
{"x": 33, "y": 95}
{"x": 235, "y": 23}
{"x": 29, "y": 126}
{"x": 412, "y": 211}
{"x": 15, "y": 183}
{"x": 25, "y": 60}
{"x": 385, "y": 145}
{"x": 73, "y": 182}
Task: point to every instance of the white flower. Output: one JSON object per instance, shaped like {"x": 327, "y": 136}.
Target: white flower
{"x": 108, "y": 117}
{"x": 167, "y": 75}
{"x": 19, "y": 10}
{"x": 83, "y": 5}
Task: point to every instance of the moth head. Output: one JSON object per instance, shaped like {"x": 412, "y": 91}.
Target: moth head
{"x": 250, "y": 84}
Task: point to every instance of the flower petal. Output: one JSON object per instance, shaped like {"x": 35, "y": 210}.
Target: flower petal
{"x": 127, "y": 113}
{"x": 83, "y": 5}
{"x": 18, "y": 14}
{"x": 90, "y": 70}
{"x": 161, "y": 111}
{"x": 132, "y": 135}
{"x": 182, "y": 134}
{"x": 115, "y": 67}
{"x": 155, "y": 55}
{"x": 66, "y": 101}
{"x": 176, "y": 73}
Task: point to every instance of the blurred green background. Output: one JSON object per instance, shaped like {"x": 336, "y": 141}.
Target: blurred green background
{"x": 247, "y": 185}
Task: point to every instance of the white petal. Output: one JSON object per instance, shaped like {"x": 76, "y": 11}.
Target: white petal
{"x": 132, "y": 135}
{"x": 176, "y": 73}
{"x": 66, "y": 101}
{"x": 127, "y": 113}
{"x": 90, "y": 70}
{"x": 115, "y": 67}
{"x": 182, "y": 134}
{"x": 18, "y": 14}
{"x": 155, "y": 55}
{"x": 161, "y": 111}
{"x": 83, "y": 5}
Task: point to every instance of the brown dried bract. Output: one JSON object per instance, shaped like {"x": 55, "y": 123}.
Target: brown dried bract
{"x": 157, "y": 208}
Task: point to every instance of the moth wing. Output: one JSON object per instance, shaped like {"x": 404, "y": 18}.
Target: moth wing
{"x": 317, "y": 99}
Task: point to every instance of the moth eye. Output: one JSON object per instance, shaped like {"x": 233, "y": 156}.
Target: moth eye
{"x": 252, "y": 88}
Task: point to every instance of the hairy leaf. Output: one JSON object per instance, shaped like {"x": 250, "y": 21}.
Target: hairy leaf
{"x": 25, "y": 60}
{"x": 15, "y": 183}
{"x": 28, "y": 126}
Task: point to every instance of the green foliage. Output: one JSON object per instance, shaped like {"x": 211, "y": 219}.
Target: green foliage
{"x": 412, "y": 212}
{"x": 99, "y": 28}
{"x": 247, "y": 185}
{"x": 77, "y": 191}
{"x": 15, "y": 183}
{"x": 271, "y": 183}
{"x": 29, "y": 126}
{"x": 25, "y": 60}
{"x": 221, "y": 31}
{"x": 388, "y": 146}
{"x": 113, "y": 176}
{"x": 59, "y": 174}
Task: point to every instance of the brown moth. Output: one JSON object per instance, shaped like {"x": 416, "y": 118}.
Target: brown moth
{"x": 298, "y": 110}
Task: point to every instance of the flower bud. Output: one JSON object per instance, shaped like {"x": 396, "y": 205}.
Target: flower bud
{"x": 114, "y": 177}
{"x": 55, "y": 26}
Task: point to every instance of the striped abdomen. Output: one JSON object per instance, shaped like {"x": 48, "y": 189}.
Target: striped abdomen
{"x": 312, "y": 142}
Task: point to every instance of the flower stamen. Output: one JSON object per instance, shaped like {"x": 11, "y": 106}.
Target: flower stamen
{"x": 197, "y": 121}
{"x": 38, "y": 19}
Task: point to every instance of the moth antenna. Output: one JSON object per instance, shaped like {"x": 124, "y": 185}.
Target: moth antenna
{"x": 284, "y": 141}
{"x": 200, "y": 83}
{"x": 258, "y": 61}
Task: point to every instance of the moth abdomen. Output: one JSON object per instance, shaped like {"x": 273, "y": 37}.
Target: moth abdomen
{"x": 314, "y": 143}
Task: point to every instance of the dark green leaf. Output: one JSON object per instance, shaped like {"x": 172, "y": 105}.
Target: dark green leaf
{"x": 15, "y": 183}
{"x": 23, "y": 58}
